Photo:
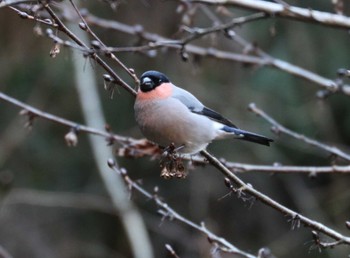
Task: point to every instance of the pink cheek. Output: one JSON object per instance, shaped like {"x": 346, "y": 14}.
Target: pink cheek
{"x": 160, "y": 92}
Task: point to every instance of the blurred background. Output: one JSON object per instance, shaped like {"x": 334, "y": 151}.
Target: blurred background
{"x": 42, "y": 180}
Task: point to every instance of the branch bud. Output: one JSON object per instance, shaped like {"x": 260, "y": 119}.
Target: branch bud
{"x": 71, "y": 138}
{"x": 23, "y": 15}
{"x": 82, "y": 26}
{"x": 347, "y": 224}
{"x": 227, "y": 182}
{"x": 55, "y": 50}
{"x": 95, "y": 44}
{"x": 107, "y": 78}
{"x": 110, "y": 162}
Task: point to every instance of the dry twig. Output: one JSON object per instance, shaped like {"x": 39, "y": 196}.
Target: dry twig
{"x": 284, "y": 11}
{"x": 296, "y": 217}
{"x": 156, "y": 41}
{"x": 278, "y": 128}
{"x": 171, "y": 214}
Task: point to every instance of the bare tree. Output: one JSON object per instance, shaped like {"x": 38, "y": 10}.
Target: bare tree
{"x": 220, "y": 49}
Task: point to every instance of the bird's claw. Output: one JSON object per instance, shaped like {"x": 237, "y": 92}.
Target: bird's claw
{"x": 171, "y": 164}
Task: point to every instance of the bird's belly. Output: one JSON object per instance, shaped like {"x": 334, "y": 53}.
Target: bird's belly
{"x": 190, "y": 131}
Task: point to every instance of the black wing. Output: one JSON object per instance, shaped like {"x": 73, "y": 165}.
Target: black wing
{"x": 195, "y": 106}
{"x": 213, "y": 115}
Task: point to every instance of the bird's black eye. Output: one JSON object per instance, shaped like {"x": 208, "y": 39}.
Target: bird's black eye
{"x": 147, "y": 84}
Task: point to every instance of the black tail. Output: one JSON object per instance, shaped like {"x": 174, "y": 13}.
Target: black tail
{"x": 248, "y": 136}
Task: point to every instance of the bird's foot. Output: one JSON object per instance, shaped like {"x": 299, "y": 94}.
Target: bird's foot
{"x": 172, "y": 164}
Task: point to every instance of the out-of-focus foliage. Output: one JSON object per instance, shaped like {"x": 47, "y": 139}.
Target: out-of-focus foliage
{"x": 39, "y": 159}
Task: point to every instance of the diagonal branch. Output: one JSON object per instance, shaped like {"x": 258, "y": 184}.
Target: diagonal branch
{"x": 99, "y": 60}
{"x": 7, "y": 3}
{"x": 278, "y": 128}
{"x": 169, "y": 212}
{"x": 284, "y": 11}
{"x": 157, "y": 41}
{"x": 78, "y": 127}
{"x": 137, "y": 146}
{"x": 199, "y": 32}
{"x": 247, "y": 188}
{"x": 86, "y": 27}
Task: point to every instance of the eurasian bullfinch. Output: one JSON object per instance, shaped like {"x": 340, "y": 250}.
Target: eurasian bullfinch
{"x": 167, "y": 114}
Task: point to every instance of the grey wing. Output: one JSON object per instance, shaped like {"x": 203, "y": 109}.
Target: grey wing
{"x": 190, "y": 101}
{"x": 195, "y": 106}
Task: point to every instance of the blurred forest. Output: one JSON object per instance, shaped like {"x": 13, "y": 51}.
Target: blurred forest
{"x": 56, "y": 201}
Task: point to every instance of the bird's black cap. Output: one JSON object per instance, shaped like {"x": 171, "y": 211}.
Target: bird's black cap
{"x": 152, "y": 79}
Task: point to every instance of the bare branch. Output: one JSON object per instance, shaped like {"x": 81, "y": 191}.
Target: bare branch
{"x": 137, "y": 146}
{"x": 329, "y": 85}
{"x": 64, "y": 29}
{"x": 80, "y": 128}
{"x": 6, "y": 3}
{"x": 312, "y": 171}
{"x": 66, "y": 200}
{"x": 199, "y": 32}
{"x": 247, "y": 188}
{"x": 86, "y": 27}
{"x": 91, "y": 106}
{"x": 157, "y": 41}
{"x": 171, "y": 251}
{"x": 278, "y": 128}
{"x": 25, "y": 15}
{"x": 169, "y": 212}
{"x": 284, "y": 11}
{"x": 4, "y": 253}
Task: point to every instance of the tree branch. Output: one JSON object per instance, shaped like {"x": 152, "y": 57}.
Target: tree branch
{"x": 284, "y": 11}
{"x": 311, "y": 170}
{"x": 31, "y": 111}
{"x": 295, "y": 217}
{"x": 137, "y": 146}
{"x": 99, "y": 60}
{"x": 7, "y": 3}
{"x": 278, "y": 128}
{"x": 170, "y": 213}
{"x": 157, "y": 41}
{"x": 82, "y": 201}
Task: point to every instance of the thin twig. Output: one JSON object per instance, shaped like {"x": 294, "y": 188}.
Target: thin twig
{"x": 91, "y": 106}
{"x": 285, "y": 11}
{"x": 244, "y": 187}
{"x": 311, "y": 170}
{"x": 171, "y": 251}
{"x": 278, "y": 128}
{"x": 169, "y": 212}
{"x": 7, "y": 3}
{"x": 4, "y": 253}
{"x": 86, "y": 27}
{"x": 63, "y": 199}
{"x": 70, "y": 34}
{"x": 330, "y": 85}
{"x": 297, "y": 217}
{"x": 199, "y": 32}
{"x": 157, "y": 41}
{"x": 129, "y": 141}
{"x": 275, "y": 168}
{"x": 25, "y": 15}
{"x": 79, "y": 127}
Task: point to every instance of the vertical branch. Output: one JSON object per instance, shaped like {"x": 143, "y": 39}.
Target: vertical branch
{"x": 91, "y": 107}
{"x": 4, "y": 253}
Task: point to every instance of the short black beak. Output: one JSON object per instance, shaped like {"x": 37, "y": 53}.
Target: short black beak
{"x": 147, "y": 84}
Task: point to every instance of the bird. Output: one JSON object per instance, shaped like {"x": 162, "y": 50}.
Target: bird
{"x": 167, "y": 114}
